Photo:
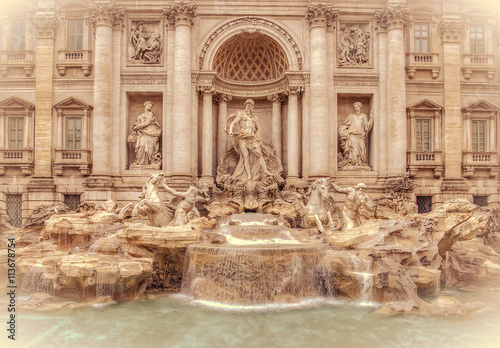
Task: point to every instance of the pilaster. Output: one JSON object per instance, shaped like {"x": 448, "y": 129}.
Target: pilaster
{"x": 206, "y": 136}
{"x": 293, "y": 135}
{"x": 222, "y": 147}
{"x": 276, "y": 100}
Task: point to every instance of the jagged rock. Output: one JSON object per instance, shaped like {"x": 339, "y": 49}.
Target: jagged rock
{"x": 109, "y": 206}
{"x": 44, "y": 212}
{"x": 424, "y": 277}
{"x": 353, "y": 238}
{"x": 212, "y": 238}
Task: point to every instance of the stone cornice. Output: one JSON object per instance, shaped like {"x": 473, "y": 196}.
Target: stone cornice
{"x": 451, "y": 31}
{"x": 45, "y": 26}
{"x": 105, "y": 13}
{"x": 393, "y": 17}
{"x": 322, "y": 16}
{"x": 180, "y": 14}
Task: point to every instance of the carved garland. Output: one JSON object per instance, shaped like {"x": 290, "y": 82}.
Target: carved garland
{"x": 45, "y": 26}
{"x": 451, "y": 31}
{"x": 254, "y": 21}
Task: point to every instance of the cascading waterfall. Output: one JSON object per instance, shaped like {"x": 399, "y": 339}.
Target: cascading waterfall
{"x": 361, "y": 269}
{"x": 104, "y": 288}
{"x": 35, "y": 280}
{"x": 265, "y": 264}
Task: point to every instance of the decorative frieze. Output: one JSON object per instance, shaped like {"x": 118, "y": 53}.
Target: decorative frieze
{"x": 145, "y": 42}
{"x": 393, "y": 17}
{"x": 143, "y": 79}
{"x": 350, "y": 80}
{"x": 105, "y": 14}
{"x": 320, "y": 15}
{"x": 354, "y": 45}
{"x": 451, "y": 31}
{"x": 180, "y": 14}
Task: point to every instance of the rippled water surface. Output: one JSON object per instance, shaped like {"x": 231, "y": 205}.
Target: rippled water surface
{"x": 177, "y": 321}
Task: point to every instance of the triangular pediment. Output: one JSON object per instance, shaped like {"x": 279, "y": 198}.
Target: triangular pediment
{"x": 72, "y": 103}
{"x": 481, "y": 106}
{"x": 14, "y": 102}
{"x": 426, "y": 104}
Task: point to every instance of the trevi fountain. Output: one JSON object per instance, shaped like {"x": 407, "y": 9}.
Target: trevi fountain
{"x": 252, "y": 262}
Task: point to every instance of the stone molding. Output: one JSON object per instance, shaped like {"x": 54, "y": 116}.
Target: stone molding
{"x": 143, "y": 79}
{"x": 16, "y": 83}
{"x": 45, "y": 26}
{"x": 321, "y": 16}
{"x": 254, "y": 21}
{"x": 393, "y": 17}
{"x": 451, "y": 31}
{"x": 351, "y": 80}
{"x": 180, "y": 14}
{"x": 105, "y": 13}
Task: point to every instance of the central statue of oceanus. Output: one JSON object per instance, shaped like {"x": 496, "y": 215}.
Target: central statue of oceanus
{"x": 249, "y": 166}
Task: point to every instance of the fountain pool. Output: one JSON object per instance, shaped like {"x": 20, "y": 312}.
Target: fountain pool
{"x": 179, "y": 321}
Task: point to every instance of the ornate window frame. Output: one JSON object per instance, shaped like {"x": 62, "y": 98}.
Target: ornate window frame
{"x": 425, "y": 110}
{"x": 72, "y": 107}
{"x": 22, "y": 158}
{"x": 10, "y": 59}
{"x": 423, "y": 61}
{"x": 479, "y": 62}
{"x": 74, "y": 58}
{"x": 488, "y": 159}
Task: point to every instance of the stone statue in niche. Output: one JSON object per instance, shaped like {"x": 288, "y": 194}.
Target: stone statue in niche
{"x": 354, "y": 45}
{"x": 353, "y": 135}
{"x": 146, "y": 135}
{"x": 249, "y": 169}
{"x": 145, "y": 44}
{"x": 356, "y": 197}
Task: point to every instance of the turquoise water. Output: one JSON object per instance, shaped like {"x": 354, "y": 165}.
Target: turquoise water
{"x": 177, "y": 321}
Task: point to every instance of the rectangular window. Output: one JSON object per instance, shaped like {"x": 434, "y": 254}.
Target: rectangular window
{"x": 482, "y": 201}
{"x": 476, "y": 39}
{"x": 424, "y": 204}
{"x": 424, "y": 135}
{"x": 15, "y": 209}
{"x": 72, "y": 201}
{"x": 73, "y": 133}
{"x": 16, "y": 133}
{"x": 18, "y": 35}
{"x": 75, "y": 34}
{"x": 479, "y": 136}
{"x": 422, "y": 37}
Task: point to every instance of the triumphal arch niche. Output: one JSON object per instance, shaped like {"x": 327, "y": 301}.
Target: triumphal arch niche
{"x": 258, "y": 59}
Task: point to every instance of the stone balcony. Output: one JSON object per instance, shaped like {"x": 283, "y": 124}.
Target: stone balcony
{"x": 74, "y": 59}
{"x": 479, "y": 160}
{"x": 471, "y": 63}
{"x": 17, "y": 59}
{"x": 425, "y": 160}
{"x": 422, "y": 61}
{"x": 16, "y": 158}
{"x": 72, "y": 159}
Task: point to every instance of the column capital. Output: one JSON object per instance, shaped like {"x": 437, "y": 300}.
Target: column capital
{"x": 451, "y": 31}
{"x": 276, "y": 98}
{"x": 223, "y": 98}
{"x": 321, "y": 16}
{"x": 180, "y": 14}
{"x": 105, "y": 13}
{"x": 393, "y": 17}
{"x": 45, "y": 26}
{"x": 205, "y": 90}
{"x": 293, "y": 90}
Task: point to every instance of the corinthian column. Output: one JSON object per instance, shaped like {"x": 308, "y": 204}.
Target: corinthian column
{"x": 222, "y": 99}
{"x": 319, "y": 18}
{"x": 276, "y": 122}
{"x": 206, "y": 137}
{"x": 293, "y": 135}
{"x": 45, "y": 26}
{"x": 394, "y": 19}
{"x": 103, "y": 16}
{"x": 181, "y": 17}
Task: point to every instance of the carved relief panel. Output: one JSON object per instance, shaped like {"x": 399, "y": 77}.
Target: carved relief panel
{"x": 145, "y": 42}
{"x": 354, "y": 48}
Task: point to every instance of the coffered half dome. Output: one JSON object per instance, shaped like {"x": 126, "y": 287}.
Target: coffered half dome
{"x": 250, "y": 57}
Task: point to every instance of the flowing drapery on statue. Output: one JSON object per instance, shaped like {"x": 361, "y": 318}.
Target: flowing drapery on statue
{"x": 353, "y": 134}
{"x": 146, "y": 135}
{"x": 249, "y": 159}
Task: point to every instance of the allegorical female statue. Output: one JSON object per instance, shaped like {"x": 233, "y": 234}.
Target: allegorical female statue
{"x": 353, "y": 134}
{"x": 146, "y": 135}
